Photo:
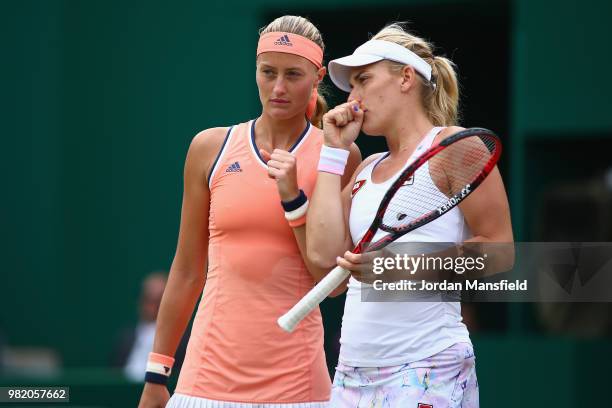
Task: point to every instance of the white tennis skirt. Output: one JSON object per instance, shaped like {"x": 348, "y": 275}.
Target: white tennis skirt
{"x": 188, "y": 401}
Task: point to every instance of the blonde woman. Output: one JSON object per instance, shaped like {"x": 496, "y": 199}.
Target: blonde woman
{"x": 244, "y": 206}
{"x": 397, "y": 354}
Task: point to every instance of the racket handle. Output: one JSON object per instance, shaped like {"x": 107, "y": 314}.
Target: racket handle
{"x": 335, "y": 277}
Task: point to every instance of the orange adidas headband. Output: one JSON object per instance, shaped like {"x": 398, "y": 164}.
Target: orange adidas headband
{"x": 290, "y": 43}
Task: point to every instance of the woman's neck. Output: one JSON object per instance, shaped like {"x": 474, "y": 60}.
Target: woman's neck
{"x": 278, "y": 134}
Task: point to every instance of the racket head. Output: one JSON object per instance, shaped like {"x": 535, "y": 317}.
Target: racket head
{"x": 456, "y": 166}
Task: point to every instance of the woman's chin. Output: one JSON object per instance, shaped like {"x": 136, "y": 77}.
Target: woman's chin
{"x": 281, "y": 113}
{"x": 370, "y": 130}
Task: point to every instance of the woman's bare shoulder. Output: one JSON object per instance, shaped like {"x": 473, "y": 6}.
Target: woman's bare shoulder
{"x": 448, "y": 131}
{"x": 209, "y": 141}
{"x": 204, "y": 148}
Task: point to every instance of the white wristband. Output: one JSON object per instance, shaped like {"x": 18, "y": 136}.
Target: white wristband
{"x": 297, "y": 213}
{"x": 158, "y": 368}
{"x": 333, "y": 160}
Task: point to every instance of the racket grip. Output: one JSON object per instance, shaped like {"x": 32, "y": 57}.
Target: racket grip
{"x": 311, "y": 300}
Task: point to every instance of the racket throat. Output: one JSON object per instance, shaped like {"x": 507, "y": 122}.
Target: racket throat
{"x": 365, "y": 241}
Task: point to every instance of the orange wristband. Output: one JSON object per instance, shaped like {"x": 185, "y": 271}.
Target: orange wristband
{"x": 298, "y": 222}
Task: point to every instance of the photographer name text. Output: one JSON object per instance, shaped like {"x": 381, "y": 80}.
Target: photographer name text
{"x": 411, "y": 285}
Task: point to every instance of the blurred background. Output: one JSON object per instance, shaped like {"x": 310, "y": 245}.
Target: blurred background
{"x": 100, "y": 100}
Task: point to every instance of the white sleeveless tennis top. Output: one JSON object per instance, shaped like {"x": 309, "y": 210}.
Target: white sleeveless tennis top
{"x": 379, "y": 334}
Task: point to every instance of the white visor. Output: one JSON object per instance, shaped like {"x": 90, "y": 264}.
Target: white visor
{"x": 371, "y": 52}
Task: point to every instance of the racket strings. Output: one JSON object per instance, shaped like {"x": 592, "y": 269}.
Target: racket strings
{"x": 437, "y": 181}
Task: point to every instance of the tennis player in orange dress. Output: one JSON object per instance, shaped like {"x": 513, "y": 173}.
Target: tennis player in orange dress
{"x": 244, "y": 211}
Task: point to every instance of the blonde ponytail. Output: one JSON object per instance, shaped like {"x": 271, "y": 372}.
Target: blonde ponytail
{"x": 442, "y": 102}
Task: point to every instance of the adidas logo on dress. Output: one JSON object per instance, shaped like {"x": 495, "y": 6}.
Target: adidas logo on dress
{"x": 284, "y": 40}
{"x": 233, "y": 168}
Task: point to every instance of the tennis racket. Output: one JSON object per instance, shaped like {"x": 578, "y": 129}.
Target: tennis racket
{"x": 457, "y": 165}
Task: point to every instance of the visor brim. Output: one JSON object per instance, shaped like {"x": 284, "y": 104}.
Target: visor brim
{"x": 340, "y": 68}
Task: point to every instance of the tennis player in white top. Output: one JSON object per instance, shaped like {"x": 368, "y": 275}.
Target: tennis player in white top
{"x": 397, "y": 354}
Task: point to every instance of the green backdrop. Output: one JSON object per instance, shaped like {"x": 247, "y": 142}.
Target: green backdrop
{"x": 100, "y": 100}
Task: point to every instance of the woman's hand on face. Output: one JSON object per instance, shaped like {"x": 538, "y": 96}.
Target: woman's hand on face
{"x": 282, "y": 166}
{"x": 342, "y": 124}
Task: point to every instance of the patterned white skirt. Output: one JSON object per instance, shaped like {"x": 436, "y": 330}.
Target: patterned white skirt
{"x": 447, "y": 379}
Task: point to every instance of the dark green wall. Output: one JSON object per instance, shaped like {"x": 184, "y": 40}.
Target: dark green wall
{"x": 101, "y": 98}
{"x": 560, "y": 91}
{"x": 31, "y": 104}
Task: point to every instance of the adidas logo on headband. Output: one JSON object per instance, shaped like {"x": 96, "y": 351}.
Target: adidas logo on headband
{"x": 284, "y": 40}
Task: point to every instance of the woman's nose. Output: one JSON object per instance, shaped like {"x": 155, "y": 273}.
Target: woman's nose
{"x": 279, "y": 86}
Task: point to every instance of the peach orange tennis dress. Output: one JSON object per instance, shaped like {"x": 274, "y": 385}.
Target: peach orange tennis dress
{"x": 237, "y": 355}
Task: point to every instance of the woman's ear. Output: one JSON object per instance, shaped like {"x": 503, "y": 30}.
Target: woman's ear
{"x": 321, "y": 74}
{"x": 408, "y": 75}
